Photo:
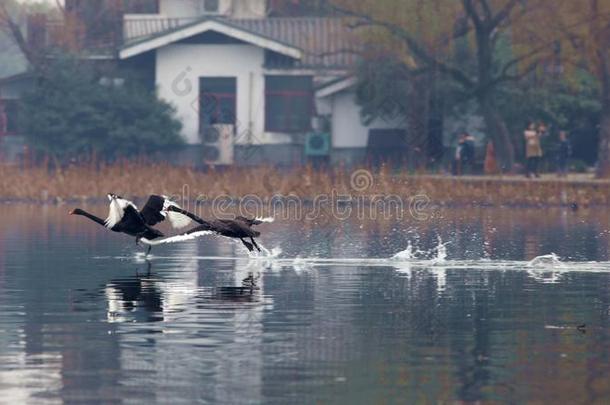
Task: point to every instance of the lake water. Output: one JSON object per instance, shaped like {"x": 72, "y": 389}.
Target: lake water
{"x": 460, "y": 314}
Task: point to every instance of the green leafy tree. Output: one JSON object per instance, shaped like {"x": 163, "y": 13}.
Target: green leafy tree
{"x": 72, "y": 112}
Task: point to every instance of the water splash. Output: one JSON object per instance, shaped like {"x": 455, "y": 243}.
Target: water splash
{"x": 436, "y": 255}
{"x": 404, "y": 255}
{"x": 441, "y": 252}
{"x": 550, "y": 260}
{"x": 300, "y": 265}
{"x": 266, "y": 253}
{"x": 547, "y": 269}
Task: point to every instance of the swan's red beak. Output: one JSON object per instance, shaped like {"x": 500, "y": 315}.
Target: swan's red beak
{"x": 71, "y": 212}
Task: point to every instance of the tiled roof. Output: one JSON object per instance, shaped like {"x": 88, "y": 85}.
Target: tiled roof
{"x": 325, "y": 42}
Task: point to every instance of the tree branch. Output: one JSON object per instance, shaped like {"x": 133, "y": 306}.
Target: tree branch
{"x": 506, "y": 77}
{"x": 486, "y": 9}
{"x": 504, "y": 13}
{"x": 12, "y": 28}
{"x": 413, "y": 45}
{"x": 472, "y": 13}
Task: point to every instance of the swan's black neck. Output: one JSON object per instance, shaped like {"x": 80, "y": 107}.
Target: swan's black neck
{"x": 190, "y": 215}
{"x": 92, "y": 217}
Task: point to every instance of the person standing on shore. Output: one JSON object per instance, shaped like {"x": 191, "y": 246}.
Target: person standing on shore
{"x": 533, "y": 148}
{"x": 564, "y": 151}
{"x": 467, "y": 153}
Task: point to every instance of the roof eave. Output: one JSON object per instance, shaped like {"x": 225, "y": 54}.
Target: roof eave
{"x": 168, "y": 38}
{"x": 336, "y": 87}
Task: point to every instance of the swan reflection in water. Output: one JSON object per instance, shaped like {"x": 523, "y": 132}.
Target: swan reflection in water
{"x": 247, "y": 292}
{"x": 135, "y": 299}
{"x": 148, "y": 297}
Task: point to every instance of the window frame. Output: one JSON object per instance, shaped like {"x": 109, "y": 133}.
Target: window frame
{"x": 287, "y": 97}
{"x": 218, "y": 96}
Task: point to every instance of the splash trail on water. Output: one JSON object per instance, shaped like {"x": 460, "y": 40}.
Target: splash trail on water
{"x": 545, "y": 268}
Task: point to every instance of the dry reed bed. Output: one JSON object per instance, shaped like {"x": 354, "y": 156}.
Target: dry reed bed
{"x": 136, "y": 180}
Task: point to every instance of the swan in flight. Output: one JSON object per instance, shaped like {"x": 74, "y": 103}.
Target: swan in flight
{"x": 238, "y": 228}
{"x": 124, "y": 217}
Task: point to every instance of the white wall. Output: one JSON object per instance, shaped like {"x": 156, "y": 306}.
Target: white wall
{"x": 179, "y": 68}
{"x": 249, "y": 9}
{"x": 179, "y": 8}
{"x": 194, "y": 8}
{"x": 348, "y": 130}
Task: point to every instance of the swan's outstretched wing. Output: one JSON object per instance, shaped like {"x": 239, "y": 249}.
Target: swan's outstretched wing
{"x": 152, "y": 212}
{"x": 118, "y": 206}
{"x": 178, "y": 238}
{"x": 156, "y": 210}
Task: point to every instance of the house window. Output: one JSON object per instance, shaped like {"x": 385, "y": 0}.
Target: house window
{"x": 142, "y": 7}
{"x": 289, "y": 103}
{"x": 217, "y": 103}
{"x": 9, "y": 117}
{"x": 210, "y": 6}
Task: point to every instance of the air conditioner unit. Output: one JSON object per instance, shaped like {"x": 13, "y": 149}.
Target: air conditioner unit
{"x": 317, "y": 144}
{"x": 218, "y": 141}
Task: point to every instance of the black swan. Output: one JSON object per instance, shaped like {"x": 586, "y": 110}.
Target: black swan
{"x": 124, "y": 217}
{"x": 238, "y": 228}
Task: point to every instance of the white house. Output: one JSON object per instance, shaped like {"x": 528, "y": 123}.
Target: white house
{"x": 250, "y": 88}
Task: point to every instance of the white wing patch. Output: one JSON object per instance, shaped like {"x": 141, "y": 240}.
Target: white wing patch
{"x": 117, "y": 210}
{"x": 176, "y": 219}
{"x": 267, "y": 220}
{"x": 177, "y": 238}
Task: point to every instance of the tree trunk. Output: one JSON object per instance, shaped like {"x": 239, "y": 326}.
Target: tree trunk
{"x": 495, "y": 125}
{"x": 498, "y": 133}
{"x": 418, "y": 111}
{"x": 603, "y": 160}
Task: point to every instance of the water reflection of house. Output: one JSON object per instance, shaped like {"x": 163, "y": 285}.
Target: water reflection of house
{"x": 249, "y": 88}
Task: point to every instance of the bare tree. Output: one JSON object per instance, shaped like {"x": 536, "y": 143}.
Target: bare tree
{"x": 10, "y": 25}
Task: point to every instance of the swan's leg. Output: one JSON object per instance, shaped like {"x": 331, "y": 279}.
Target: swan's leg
{"x": 148, "y": 250}
{"x": 255, "y": 245}
{"x": 247, "y": 245}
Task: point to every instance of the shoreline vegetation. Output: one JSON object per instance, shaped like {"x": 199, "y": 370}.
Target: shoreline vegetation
{"x": 91, "y": 183}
